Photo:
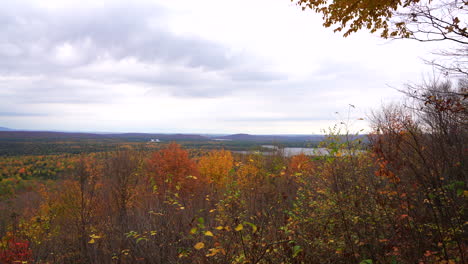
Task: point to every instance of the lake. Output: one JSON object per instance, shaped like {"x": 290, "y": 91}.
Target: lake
{"x": 288, "y": 152}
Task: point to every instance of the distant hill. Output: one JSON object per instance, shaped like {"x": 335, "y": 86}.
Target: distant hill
{"x": 7, "y": 134}
{"x": 13, "y": 143}
{"x": 10, "y": 135}
{"x": 165, "y": 137}
{"x": 273, "y": 138}
{"x": 283, "y": 138}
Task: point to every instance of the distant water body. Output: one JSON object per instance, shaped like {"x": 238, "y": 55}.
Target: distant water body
{"x": 288, "y": 152}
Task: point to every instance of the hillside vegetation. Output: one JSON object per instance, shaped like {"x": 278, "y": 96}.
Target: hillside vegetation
{"x": 402, "y": 201}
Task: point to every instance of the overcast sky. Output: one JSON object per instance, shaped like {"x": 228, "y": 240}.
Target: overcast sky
{"x": 205, "y": 66}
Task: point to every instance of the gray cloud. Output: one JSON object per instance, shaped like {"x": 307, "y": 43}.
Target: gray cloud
{"x": 256, "y": 76}
{"x": 278, "y": 119}
{"x": 86, "y": 62}
{"x": 19, "y": 114}
{"x": 35, "y": 36}
{"x": 64, "y": 43}
{"x": 45, "y": 90}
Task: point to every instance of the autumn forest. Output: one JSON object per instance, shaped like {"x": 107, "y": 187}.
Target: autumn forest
{"x": 398, "y": 199}
{"x": 395, "y": 193}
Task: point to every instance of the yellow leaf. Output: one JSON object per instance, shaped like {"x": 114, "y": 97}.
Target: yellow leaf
{"x": 213, "y": 251}
{"x": 199, "y": 245}
{"x": 208, "y": 233}
{"x": 91, "y": 241}
{"x": 239, "y": 227}
{"x": 193, "y": 230}
{"x": 219, "y": 228}
{"x": 254, "y": 227}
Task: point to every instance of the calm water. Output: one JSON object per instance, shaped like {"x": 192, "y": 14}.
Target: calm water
{"x": 293, "y": 151}
{"x": 288, "y": 152}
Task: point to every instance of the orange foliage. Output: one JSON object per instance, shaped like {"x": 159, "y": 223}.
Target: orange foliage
{"x": 301, "y": 164}
{"x": 216, "y": 166}
{"x": 249, "y": 172}
{"x": 171, "y": 168}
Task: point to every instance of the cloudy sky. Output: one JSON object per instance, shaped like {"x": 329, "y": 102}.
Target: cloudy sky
{"x": 205, "y": 66}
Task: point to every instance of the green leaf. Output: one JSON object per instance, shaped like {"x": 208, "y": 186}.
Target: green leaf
{"x": 296, "y": 250}
{"x": 201, "y": 220}
{"x": 254, "y": 227}
{"x": 140, "y": 239}
{"x": 366, "y": 261}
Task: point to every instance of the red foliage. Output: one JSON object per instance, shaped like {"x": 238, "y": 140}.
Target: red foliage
{"x": 15, "y": 250}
